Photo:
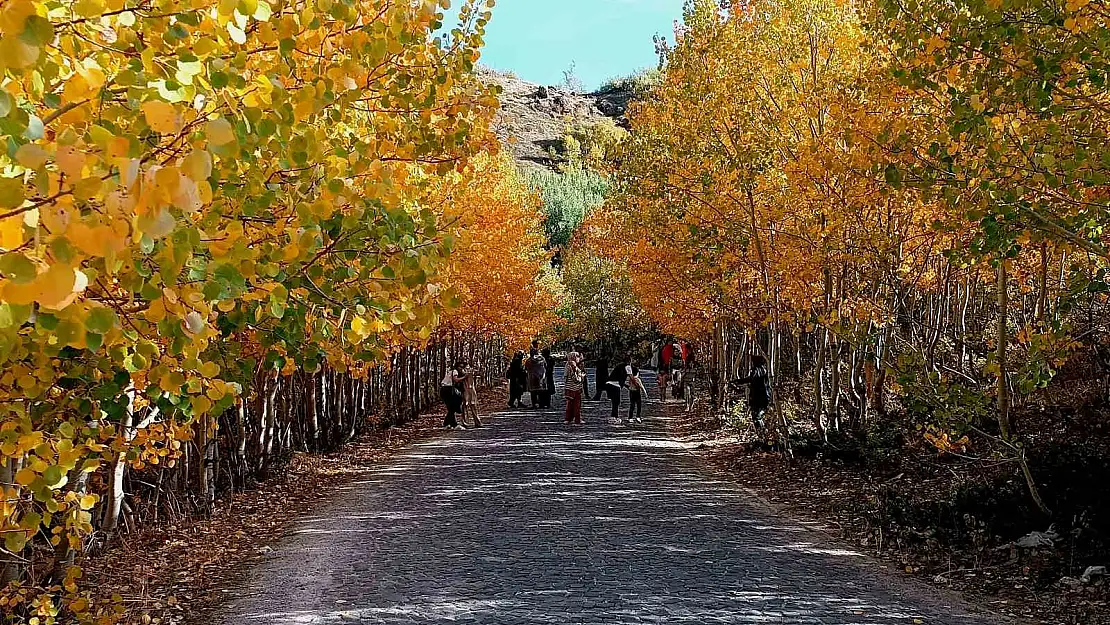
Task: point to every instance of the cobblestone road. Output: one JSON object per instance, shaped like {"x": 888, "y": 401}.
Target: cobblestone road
{"x": 529, "y": 522}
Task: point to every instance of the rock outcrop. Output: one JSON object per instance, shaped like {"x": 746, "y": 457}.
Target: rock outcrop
{"x": 533, "y": 117}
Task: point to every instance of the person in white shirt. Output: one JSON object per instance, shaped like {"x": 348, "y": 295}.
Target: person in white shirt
{"x": 452, "y": 395}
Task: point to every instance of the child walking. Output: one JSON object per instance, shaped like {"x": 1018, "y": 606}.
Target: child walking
{"x": 636, "y": 393}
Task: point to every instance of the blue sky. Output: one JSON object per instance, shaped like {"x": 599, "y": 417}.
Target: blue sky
{"x": 538, "y": 39}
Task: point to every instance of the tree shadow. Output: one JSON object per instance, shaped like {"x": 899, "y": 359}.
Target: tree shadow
{"x": 536, "y": 522}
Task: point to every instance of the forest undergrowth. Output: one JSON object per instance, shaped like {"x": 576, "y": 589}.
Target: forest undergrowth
{"x": 178, "y": 573}
{"x": 959, "y": 521}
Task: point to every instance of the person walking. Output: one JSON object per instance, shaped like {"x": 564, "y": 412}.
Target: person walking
{"x": 601, "y": 376}
{"x": 636, "y": 394}
{"x": 614, "y": 383}
{"x": 662, "y": 379}
{"x": 451, "y": 395}
{"x": 573, "y": 376}
{"x": 518, "y": 380}
{"x": 470, "y": 397}
{"x": 759, "y": 392}
{"x": 549, "y": 378}
{"x": 537, "y": 375}
{"x": 585, "y": 375}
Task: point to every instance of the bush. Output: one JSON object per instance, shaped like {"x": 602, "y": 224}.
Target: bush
{"x": 639, "y": 84}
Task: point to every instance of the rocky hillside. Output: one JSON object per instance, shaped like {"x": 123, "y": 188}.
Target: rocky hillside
{"x": 533, "y": 117}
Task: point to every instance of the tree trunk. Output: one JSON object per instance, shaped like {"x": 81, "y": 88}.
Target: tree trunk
{"x": 1002, "y": 385}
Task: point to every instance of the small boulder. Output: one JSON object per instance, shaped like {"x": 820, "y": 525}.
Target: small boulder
{"x": 1038, "y": 540}
{"x": 1093, "y": 572}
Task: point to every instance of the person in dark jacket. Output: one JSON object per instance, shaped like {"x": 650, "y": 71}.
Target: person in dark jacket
{"x": 450, "y": 391}
{"x": 617, "y": 380}
{"x": 550, "y": 378}
{"x": 759, "y": 391}
{"x": 601, "y": 375}
{"x": 518, "y": 380}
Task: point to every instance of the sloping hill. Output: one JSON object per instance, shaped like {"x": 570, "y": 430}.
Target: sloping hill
{"x": 533, "y": 117}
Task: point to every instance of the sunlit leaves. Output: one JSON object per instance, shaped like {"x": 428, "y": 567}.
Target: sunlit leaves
{"x": 191, "y": 190}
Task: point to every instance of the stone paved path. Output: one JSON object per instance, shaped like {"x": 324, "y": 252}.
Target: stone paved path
{"x": 529, "y": 522}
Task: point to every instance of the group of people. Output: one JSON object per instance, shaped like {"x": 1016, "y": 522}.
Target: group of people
{"x": 459, "y": 392}
{"x": 624, "y": 375}
{"x": 534, "y": 375}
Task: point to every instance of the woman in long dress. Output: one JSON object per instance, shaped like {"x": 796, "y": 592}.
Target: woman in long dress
{"x": 470, "y": 398}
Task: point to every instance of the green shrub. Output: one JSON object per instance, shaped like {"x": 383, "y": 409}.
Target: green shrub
{"x": 567, "y": 197}
{"x": 639, "y": 84}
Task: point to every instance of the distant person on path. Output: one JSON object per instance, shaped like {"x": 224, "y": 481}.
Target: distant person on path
{"x": 662, "y": 378}
{"x": 537, "y": 375}
{"x": 636, "y": 394}
{"x": 585, "y": 375}
{"x": 518, "y": 380}
{"x": 759, "y": 391}
{"x": 601, "y": 376}
{"x": 549, "y": 378}
{"x": 451, "y": 395}
{"x": 573, "y": 377}
{"x": 613, "y": 385}
{"x": 470, "y": 397}
{"x": 666, "y": 356}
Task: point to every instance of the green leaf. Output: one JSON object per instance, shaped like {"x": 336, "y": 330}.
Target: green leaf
{"x": 11, "y": 192}
{"x": 13, "y": 315}
{"x": 893, "y": 176}
{"x": 100, "y": 320}
{"x": 54, "y": 477}
{"x": 15, "y": 541}
{"x": 18, "y": 268}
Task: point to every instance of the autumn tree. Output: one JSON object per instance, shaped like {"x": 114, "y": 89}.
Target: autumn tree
{"x": 207, "y": 211}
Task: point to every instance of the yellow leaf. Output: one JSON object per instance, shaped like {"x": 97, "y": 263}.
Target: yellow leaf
{"x": 25, "y": 476}
{"x": 70, "y": 161}
{"x": 187, "y": 195}
{"x": 31, "y": 156}
{"x": 16, "y": 53}
{"x": 219, "y": 131}
{"x": 156, "y": 311}
{"x": 55, "y": 284}
{"x": 197, "y": 165}
{"x": 88, "y": 8}
{"x": 15, "y": 14}
{"x": 11, "y": 232}
{"x": 171, "y": 382}
{"x": 162, "y": 117}
{"x": 157, "y": 225}
{"x": 201, "y": 404}
{"x": 96, "y": 241}
{"x": 21, "y": 294}
{"x": 87, "y": 502}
